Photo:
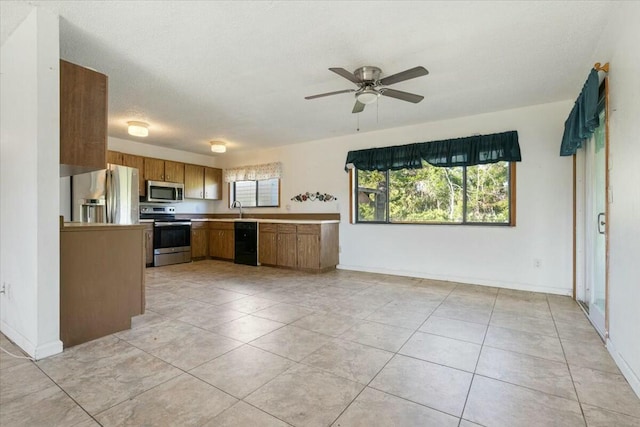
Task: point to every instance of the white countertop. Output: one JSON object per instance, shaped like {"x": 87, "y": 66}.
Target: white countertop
{"x": 267, "y": 220}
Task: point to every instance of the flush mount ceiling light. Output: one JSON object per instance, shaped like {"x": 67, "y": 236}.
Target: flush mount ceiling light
{"x": 218, "y": 147}
{"x": 368, "y": 96}
{"x": 140, "y": 129}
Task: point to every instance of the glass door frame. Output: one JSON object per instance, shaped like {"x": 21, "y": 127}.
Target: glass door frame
{"x": 580, "y": 249}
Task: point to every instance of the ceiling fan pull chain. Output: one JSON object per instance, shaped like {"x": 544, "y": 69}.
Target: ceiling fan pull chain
{"x": 357, "y": 122}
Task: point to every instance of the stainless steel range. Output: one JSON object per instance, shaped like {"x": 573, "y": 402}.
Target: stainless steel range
{"x": 171, "y": 236}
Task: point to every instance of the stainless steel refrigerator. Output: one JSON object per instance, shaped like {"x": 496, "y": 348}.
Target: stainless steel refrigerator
{"x": 106, "y": 196}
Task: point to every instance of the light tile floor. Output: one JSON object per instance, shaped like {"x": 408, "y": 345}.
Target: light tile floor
{"x": 229, "y": 345}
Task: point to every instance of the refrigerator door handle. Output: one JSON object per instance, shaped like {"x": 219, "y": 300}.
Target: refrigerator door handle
{"x": 109, "y": 195}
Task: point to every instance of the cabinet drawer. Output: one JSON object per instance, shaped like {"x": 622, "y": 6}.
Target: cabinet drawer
{"x": 197, "y": 225}
{"x": 308, "y": 228}
{"x": 221, "y": 225}
{"x": 268, "y": 228}
{"x": 287, "y": 228}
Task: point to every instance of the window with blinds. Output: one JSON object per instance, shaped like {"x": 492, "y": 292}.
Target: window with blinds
{"x": 259, "y": 193}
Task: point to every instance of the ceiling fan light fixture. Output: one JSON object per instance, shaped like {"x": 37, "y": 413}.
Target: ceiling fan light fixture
{"x": 140, "y": 129}
{"x": 218, "y": 147}
{"x": 367, "y": 96}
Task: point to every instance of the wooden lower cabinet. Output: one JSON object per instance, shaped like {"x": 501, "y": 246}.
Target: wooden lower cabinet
{"x": 309, "y": 247}
{"x": 268, "y": 244}
{"x": 312, "y": 247}
{"x": 148, "y": 243}
{"x": 221, "y": 240}
{"x": 287, "y": 246}
{"x": 308, "y": 251}
{"x": 199, "y": 240}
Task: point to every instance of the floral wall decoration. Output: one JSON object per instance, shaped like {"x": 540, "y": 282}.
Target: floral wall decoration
{"x": 321, "y": 197}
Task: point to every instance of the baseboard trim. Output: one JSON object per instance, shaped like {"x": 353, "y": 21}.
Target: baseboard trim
{"x": 467, "y": 280}
{"x": 36, "y": 352}
{"x": 48, "y": 349}
{"x": 627, "y": 372}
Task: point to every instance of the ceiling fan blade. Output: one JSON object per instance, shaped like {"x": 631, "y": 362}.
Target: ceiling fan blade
{"x": 358, "y": 107}
{"x": 405, "y": 96}
{"x": 404, "y": 75}
{"x": 329, "y": 93}
{"x": 346, "y": 74}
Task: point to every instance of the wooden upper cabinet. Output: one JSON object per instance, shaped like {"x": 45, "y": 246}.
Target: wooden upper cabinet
{"x": 193, "y": 182}
{"x": 83, "y": 119}
{"x": 212, "y": 183}
{"x": 138, "y": 163}
{"x": 173, "y": 171}
{"x": 153, "y": 169}
{"x": 114, "y": 157}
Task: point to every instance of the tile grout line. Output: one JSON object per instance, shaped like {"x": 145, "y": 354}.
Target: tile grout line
{"x": 573, "y": 383}
{"x": 388, "y": 361}
{"x": 484, "y": 338}
{"x": 68, "y": 395}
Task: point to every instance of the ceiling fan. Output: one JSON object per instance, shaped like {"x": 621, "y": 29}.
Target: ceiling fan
{"x": 371, "y": 86}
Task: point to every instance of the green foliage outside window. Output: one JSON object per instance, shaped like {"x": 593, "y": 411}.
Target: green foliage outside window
{"x": 471, "y": 194}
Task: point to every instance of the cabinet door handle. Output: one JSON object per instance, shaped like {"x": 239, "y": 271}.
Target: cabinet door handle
{"x": 201, "y": 194}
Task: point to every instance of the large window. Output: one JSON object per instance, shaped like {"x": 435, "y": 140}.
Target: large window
{"x": 258, "y": 193}
{"x": 478, "y": 194}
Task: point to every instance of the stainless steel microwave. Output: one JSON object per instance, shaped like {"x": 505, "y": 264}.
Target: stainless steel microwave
{"x": 164, "y": 192}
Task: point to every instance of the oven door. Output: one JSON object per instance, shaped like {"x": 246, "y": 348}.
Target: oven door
{"x": 171, "y": 236}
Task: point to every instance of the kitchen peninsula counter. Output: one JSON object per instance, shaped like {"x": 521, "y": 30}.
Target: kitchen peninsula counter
{"x": 101, "y": 279}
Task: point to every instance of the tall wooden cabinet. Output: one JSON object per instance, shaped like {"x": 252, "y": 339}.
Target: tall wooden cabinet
{"x": 83, "y": 119}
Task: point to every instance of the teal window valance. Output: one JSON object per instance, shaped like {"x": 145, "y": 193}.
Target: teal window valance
{"x": 468, "y": 151}
{"x": 583, "y": 119}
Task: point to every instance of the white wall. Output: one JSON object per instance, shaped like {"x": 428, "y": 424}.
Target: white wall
{"x": 149, "y": 150}
{"x": 619, "y": 47}
{"x": 29, "y": 248}
{"x": 488, "y": 255}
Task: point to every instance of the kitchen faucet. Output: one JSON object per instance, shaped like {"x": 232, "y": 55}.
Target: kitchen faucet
{"x": 237, "y": 204}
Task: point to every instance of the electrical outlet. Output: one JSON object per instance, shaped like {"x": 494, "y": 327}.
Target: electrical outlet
{"x": 537, "y": 263}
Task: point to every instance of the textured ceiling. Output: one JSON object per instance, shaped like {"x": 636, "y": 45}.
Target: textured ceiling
{"x": 239, "y": 71}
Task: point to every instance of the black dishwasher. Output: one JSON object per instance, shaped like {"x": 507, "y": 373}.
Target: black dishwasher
{"x": 246, "y": 243}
